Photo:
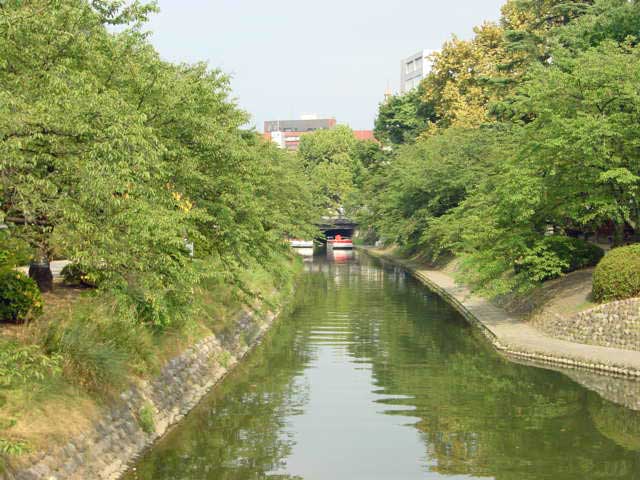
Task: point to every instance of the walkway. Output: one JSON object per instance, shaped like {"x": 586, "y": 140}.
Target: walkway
{"x": 516, "y": 337}
{"x": 56, "y": 268}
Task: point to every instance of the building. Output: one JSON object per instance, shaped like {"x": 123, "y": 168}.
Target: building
{"x": 413, "y": 69}
{"x": 286, "y": 133}
{"x": 364, "y": 135}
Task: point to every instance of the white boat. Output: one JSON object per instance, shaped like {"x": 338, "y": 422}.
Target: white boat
{"x": 295, "y": 243}
{"x": 340, "y": 243}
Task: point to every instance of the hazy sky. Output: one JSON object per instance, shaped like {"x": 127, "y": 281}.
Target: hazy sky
{"x": 332, "y": 57}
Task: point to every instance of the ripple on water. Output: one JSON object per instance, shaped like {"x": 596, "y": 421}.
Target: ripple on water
{"x": 373, "y": 378}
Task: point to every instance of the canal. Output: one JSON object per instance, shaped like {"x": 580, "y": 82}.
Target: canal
{"x": 373, "y": 377}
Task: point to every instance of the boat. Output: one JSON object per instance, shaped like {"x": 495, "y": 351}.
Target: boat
{"x": 340, "y": 243}
{"x": 340, "y": 255}
{"x": 296, "y": 243}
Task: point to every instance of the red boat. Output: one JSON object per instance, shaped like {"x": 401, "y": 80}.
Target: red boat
{"x": 340, "y": 242}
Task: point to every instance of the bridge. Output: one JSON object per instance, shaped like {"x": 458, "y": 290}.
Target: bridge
{"x": 332, "y": 226}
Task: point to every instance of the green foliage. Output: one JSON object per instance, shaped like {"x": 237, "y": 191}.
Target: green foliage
{"x": 116, "y": 159}
{"x": 617, "y": 276}
{"x": 401, "y": 118}
{"x": 224, "y": 359}
{"x": 74, "y": 274}
{"x": 583, "y": 137}
{"x": 26, "y": 365}
{"x": 552, "y": 256}
{"x": 423, "y": 182}
{"x": 537, "y": 130}
{"x": 617, "y": 20}
{"x": 13, "y": 447}
{"x": 334, "y": 161}
{"x": 20, "y": 298}
{"x": 146, "y": 419}
{"x": 13, "y": 252}
{"x": 99, "y": 346}
{"x": 324, "y": 145}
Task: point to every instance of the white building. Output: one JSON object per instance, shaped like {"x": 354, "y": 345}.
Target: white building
{"x": 413, "y": 69}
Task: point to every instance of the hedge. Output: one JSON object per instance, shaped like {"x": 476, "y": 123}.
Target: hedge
{"x": 617, "y": 276}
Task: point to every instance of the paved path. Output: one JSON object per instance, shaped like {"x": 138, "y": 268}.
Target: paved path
{"x": 56, "y": 268}
{"x": 516, "y": 337}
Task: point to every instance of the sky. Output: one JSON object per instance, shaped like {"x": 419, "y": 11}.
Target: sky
{"x": 287, "y": 58}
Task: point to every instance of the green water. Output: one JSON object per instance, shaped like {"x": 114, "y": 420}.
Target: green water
{"x": 373, "y": 377}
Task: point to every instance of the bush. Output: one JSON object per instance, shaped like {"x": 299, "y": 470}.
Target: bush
{"x": 146, "y": 419}
{"x": 75, "y": 274}
{"x": 617, "y": 276}
{"x": 552, "y": 256}
{"x": 19, "y": 297}
{"x": 25, "y": 365}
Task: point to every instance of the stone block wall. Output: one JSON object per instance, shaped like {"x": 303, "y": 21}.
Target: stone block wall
{"x": 615, "y": 324}
{"x": 119, "y": 437}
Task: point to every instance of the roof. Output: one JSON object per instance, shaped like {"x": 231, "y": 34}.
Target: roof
{"x": 364, "y": 135}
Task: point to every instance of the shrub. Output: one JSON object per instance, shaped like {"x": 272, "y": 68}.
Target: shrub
{"x": 19, "y": 297}
{"x": 75, "y": 274}
{"x": 146, "y": 419}
{"x": 25, "y": 365}
{"x": 552, "y": 256}
{"x": 617, "y": 276}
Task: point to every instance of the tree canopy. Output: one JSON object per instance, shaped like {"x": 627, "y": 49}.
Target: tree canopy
{"x": 334, "y": 161}
{"x": 116, "y": 159}
{"x": 534, "y": 134}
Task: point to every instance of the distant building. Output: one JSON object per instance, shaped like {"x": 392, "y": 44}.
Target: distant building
{"x": 413, "y": 69}
{"x": 286, "y": 133}
{"x": 364, "y": 135}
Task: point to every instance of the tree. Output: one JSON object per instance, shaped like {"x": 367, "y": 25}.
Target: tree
{"x": 115, "y": 159}
{"x": 424, "y": 181}
{"x": 572, "y": 165}
{"x": 334, "y": 160}
{"x": 462, "y": 82}
{"x": 617, "y": 20}
{"x": 401, "y": 118}
{"x": 583, "y": 139}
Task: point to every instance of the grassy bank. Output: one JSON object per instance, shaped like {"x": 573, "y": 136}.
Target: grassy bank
{"x": 58, "y": 373}
{"x": 566, "y": 295}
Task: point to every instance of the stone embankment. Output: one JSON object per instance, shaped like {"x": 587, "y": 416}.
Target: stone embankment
{"x": 147, "y": 410}
{"x": 520, "y": 339}
{"x": 615, "y": 324}
{"x": 623, "y": 391}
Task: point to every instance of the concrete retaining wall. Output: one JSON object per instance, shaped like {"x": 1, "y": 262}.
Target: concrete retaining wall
{"x": 615, "y": 324}
{"x": 118, "y": 438}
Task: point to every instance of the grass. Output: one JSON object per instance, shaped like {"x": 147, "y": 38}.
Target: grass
{"x": 13, "y": 447}
{"x": 146, "y": 419}
{"x": 566, "y": 295}
{"x": 58, "y": 373}
{"x": 224, "y": 358}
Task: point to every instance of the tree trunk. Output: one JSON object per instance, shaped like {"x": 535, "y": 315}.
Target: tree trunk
{"x": 40, "y": 271}
{"x": 618, "y": 234}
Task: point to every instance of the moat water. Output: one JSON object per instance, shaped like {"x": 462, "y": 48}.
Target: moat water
{"x": 373, "y": 377}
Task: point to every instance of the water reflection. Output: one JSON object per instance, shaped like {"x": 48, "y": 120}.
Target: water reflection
{"x": 307, "y": 253}
{"x": 340, "y": 256}
{"x": 372, "y": 377}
